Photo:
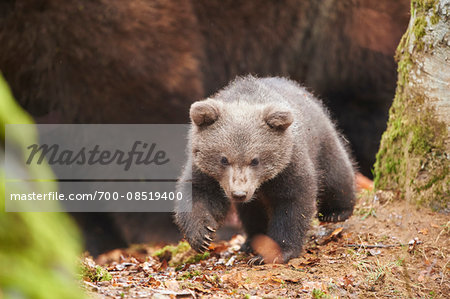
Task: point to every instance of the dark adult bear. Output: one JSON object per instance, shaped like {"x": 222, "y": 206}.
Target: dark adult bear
{"x": 143, "y": 61}
{"x": 269, "y": 146}
{"x": 138, "y": 61}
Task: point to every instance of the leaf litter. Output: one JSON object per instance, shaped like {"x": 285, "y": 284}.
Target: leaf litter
{"x": 386, "y": 249}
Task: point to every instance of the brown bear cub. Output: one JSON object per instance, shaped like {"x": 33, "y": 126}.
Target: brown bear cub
{"x": 270, "y": 147}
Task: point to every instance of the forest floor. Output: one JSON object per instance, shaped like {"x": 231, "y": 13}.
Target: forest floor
{"x": 388, "y": 248}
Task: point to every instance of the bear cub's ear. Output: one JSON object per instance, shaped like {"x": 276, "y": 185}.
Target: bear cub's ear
{"x": 278, "y": 119}
{"x": 204, "y": 113}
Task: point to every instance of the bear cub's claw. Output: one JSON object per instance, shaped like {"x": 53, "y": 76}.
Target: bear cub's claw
{"x": 201, "y": 240}
{"x": 210, "y": 229}
{"x": 335, "y": 216}
{"x": 255, "y": 261}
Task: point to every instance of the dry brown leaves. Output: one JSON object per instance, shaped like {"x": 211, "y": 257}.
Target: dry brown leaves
{"x": 398, "y": 251}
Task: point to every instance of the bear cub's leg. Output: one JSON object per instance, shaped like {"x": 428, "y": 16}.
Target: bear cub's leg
{"x": 254, "y": 220}
{"x": 336, "y": 199}
{"x": 209, "y": 209}
{"x": 284, "y": 215}
{"x": 288, "y": 227}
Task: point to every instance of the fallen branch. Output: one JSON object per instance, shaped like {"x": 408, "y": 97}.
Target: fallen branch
{"x": 379, "y": 245}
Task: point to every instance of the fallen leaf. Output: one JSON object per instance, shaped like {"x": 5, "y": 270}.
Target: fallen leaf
{"x": 333, "y": 236}
{"x": 421, "y": 277}
{"x": 290, "y": 278}
{"x": 163, "y": 266}
{"x": 172, "y": 285}
{"x": 348, "y": 280}
{"x": 301, "y": 263}
{"x": 153, "y": 282}
{"x": 311, "y": 285}
{"x": 230, "y": 261}
{"x": 201, "y": 289}
{"x": 218, "y": 248}
{"x": 413, "y": 243}
{"x": 235, "y": 279}
{"x": 277, "y": 280}
{"x": 423, "y": 231}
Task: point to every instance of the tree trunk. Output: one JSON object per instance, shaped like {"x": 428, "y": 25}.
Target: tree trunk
{"x": 414, "y": 153}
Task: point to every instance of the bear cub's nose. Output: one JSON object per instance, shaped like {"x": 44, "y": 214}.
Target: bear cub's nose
{"x": 239, "y": 195}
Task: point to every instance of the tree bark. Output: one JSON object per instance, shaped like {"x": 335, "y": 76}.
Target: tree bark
{"x": 414, "y": 153}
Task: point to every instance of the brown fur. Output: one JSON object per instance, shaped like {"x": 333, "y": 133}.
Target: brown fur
{"x": 103, "y": 61}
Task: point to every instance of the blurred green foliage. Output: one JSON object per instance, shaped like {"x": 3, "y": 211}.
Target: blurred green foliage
{"x": 38, "y": 251}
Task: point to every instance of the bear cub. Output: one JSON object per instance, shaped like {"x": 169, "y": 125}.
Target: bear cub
{"x": 268, "y": 146}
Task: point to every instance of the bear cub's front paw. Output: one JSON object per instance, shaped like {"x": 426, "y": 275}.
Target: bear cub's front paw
{"x": 201, "y": 239}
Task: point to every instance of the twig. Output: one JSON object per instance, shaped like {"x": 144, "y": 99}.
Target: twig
{"x": 378, "y": 245}
{"x": 91, "y": 285}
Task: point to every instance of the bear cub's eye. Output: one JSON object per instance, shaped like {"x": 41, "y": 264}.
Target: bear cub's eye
{"x": 254, "y": 162}
{"x": 224, "y": 161}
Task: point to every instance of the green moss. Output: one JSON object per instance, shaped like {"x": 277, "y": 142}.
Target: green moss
{"x": 423, "y": 10}
{"x": 421, "y": 140}
{"x": 387, "y": 159}
{"x": 423, "y": 4}
{"x": 95, "y": 274}
{"x": 436, "y": 178}
{"x": 405, "y": 65}
{"x": 420, "y": 25}
{"x": 173, "y": 250}
{"x": 412, "y": 140}
{"x": 318, "y": 294}
{"x": 392, "y": 165}
{"x": 435, "y": 18}
{"x": 196, "y": 258}
{"x": 190, "y": 274}
{"x": 180, "y": 255}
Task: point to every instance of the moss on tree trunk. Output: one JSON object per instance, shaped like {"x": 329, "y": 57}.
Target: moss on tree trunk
{"x": 414, "y": 153}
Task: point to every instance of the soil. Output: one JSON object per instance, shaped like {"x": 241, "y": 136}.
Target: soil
{"x": 388, "y": 248}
